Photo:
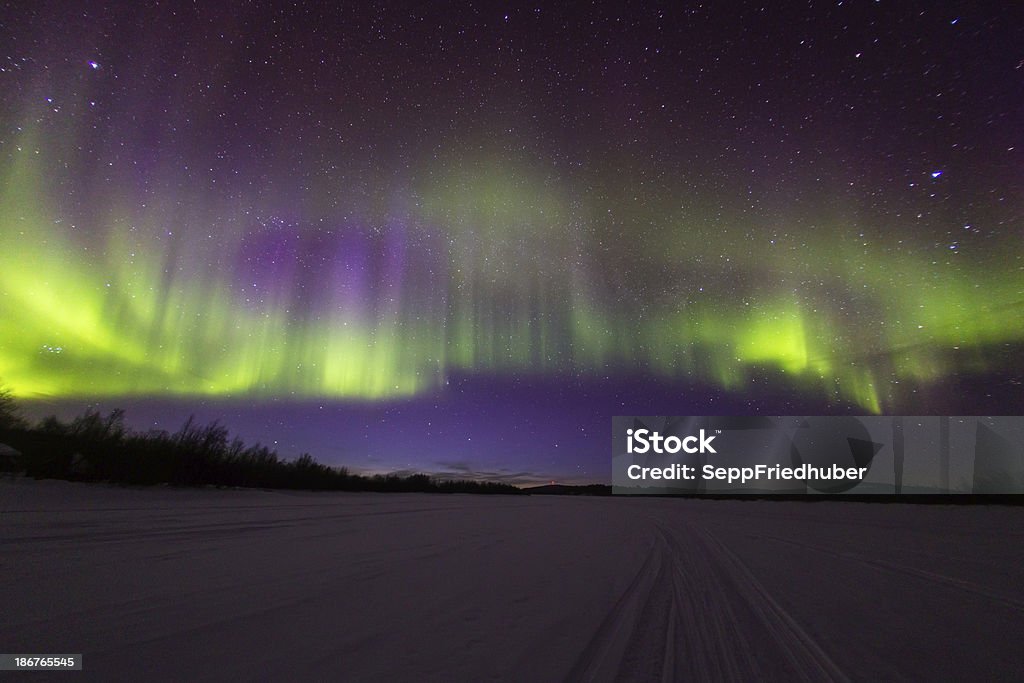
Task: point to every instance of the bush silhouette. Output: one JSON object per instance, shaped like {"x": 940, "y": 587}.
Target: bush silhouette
{"x": 97, "y": 447}
{"x": 10, "y": 415}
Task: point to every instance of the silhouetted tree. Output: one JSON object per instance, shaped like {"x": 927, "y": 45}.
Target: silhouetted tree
{"x": 10, "y": 413}
{"x": 97, "y": 447}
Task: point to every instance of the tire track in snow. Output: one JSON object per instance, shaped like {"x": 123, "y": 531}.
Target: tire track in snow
{"x": 601, "y": 659}
{"x": 695, "y": 612}
{"x": 807, "y": 658}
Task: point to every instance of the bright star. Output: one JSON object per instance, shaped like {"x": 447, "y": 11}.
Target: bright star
{"x": 936, "y": 174}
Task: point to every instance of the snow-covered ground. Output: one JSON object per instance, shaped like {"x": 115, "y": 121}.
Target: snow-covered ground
{"x": 166, "y": 584}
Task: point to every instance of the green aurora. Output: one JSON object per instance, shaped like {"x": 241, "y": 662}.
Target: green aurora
{"x": 485, "y": 267}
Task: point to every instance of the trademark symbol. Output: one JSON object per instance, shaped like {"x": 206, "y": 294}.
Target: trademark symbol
{"x": 718, "y": 431}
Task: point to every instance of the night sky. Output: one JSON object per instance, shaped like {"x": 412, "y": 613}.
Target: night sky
{"x": 459, "y": 239}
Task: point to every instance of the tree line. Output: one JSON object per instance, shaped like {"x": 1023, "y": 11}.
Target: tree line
{"x": 100, "y": 447}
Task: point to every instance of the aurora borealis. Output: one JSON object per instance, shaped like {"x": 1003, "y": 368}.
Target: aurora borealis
{"x": 358, "y": 206}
